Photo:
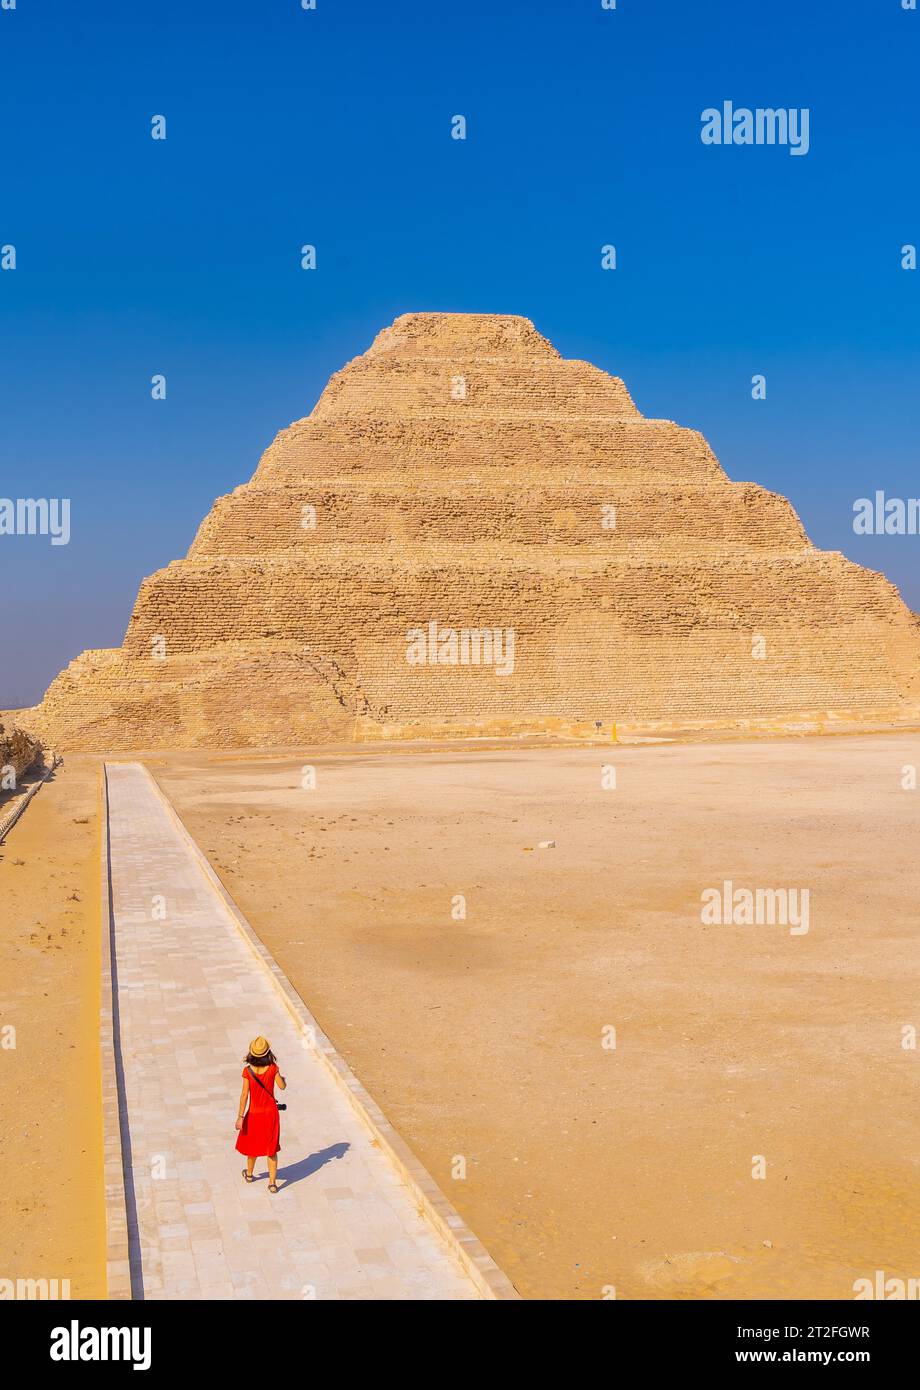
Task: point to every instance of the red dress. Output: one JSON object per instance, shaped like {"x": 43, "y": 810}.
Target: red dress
{"x": 260, "y": 1136}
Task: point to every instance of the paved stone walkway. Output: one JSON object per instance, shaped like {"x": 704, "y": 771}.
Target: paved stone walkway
{"x": 190, "y": 996}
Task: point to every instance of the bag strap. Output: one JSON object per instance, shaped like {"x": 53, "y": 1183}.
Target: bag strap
{"x": 259, "y": 1083}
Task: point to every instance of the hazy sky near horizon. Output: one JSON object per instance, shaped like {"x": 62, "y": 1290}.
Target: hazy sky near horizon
{"x": 333, "y": 127}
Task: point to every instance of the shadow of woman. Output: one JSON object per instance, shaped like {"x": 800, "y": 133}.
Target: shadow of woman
{"x": 306, "y": 1167}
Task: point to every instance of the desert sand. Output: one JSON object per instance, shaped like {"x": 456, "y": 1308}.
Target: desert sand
{"x": 590, "y": 1168}
{"x": 51, "y": 1198}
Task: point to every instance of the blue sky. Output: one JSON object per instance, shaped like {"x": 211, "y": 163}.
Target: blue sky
{"x": 332, "y": 127}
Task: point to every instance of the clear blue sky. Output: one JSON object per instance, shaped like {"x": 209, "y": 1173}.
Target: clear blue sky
{"x": 333, "y": 127}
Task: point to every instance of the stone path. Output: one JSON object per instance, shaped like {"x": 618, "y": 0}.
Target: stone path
{"x": 190, "y": 995}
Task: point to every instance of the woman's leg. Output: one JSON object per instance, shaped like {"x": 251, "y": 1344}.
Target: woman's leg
{"x": 272, "y": 1168}
{"x": 250, "y": 1164}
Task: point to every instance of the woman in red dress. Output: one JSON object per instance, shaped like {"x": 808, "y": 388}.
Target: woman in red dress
{"x": 260, "y": 1126}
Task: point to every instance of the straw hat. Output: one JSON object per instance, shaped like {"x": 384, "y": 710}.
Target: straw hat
{"x": 259, "y": 1046}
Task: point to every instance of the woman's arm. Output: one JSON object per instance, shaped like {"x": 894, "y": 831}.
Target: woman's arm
{"x": 243, "y": 1098}
{"x": 280, "y": 1080}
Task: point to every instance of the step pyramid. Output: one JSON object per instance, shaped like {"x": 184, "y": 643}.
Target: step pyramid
{"x": 459, "y": 488}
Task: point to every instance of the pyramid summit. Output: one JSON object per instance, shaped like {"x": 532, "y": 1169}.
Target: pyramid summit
{"x": 471, "y": 534}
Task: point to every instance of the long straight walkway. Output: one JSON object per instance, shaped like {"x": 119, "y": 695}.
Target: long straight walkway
{"x": 190, "y": 996}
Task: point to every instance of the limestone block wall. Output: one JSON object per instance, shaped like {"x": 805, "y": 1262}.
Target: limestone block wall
{"x": 330, "y": 598}
{"x": 407, "y": 387}
{"x": 608, "y": 519}
{"x": 470, "y": 441}
{"x": 231, "y": 695}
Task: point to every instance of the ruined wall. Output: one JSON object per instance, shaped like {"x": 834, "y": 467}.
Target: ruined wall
{"x": 18, "y": 749}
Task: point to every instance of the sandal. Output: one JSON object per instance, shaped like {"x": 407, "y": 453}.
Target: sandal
{"x": 273, "y": 1187}
{"x": 247, "y": 1177}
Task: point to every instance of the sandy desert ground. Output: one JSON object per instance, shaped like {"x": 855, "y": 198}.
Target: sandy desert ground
{"x": 586, "y": 1167}
{"x": 589, "y": 1167}
{"x": 51, "y": 1196}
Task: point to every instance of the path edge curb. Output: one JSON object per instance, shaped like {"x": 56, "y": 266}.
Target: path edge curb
{"x": 440, "y": 1214}
{"x": 117, "y": 1256}
{"x": 7, "y": 823}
